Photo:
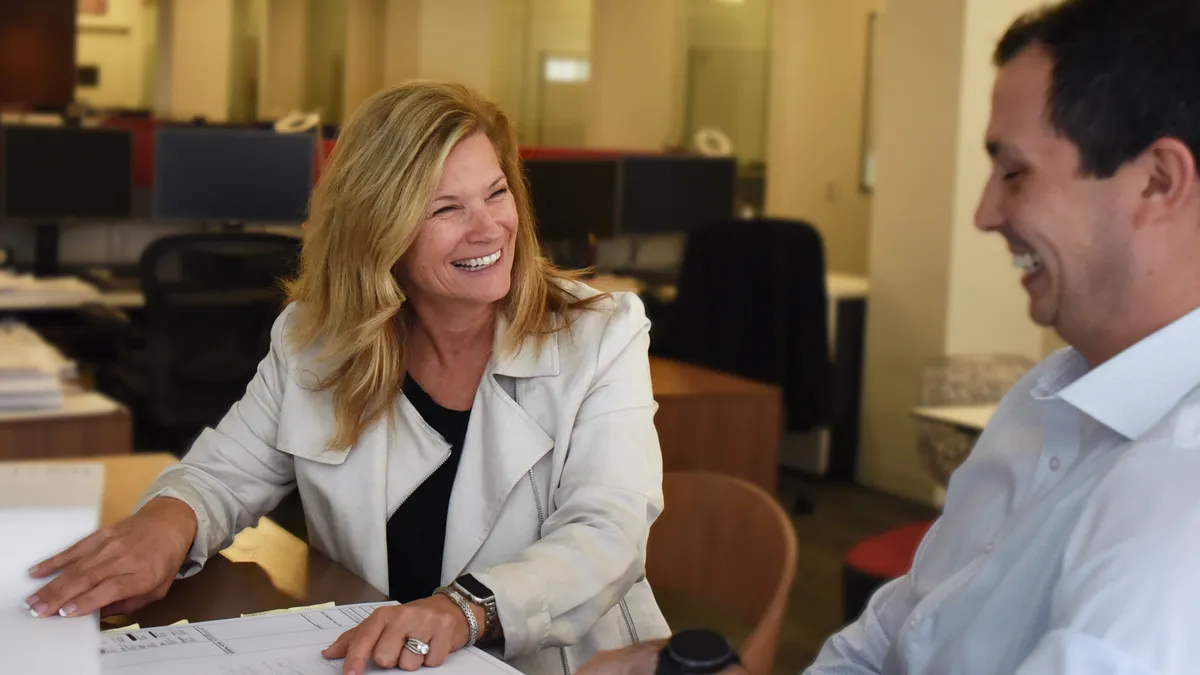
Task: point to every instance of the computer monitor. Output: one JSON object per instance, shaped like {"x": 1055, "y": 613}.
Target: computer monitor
{"x": 61, "y": 173}
{"x": 661, "y": 194}
{"x": 232, "y": 175}
{"x": 573, "y": 198}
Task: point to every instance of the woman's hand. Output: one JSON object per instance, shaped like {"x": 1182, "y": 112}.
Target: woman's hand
{"x": 436, "y": 621}
{"x": 121, "y": 568}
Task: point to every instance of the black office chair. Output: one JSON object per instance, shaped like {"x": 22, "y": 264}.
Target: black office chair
{"x": 211, "y": 300}
{"x": 751, "y": 301}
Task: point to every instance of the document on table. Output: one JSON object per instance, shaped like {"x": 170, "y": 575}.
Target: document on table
{"x": 272, "y": 644}
{"x": 44, "y": 508}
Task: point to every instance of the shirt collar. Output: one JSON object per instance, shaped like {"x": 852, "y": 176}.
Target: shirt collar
{"x": 1133, "y": 391}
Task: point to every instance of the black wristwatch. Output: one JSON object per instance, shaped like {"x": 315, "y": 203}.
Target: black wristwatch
{"x": 696, "y": 651}
{"x": 481, "y": 595}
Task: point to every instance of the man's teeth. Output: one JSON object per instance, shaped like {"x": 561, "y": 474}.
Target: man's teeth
{"x": 477, "y": 263}
{"x": 1029, "y": 262}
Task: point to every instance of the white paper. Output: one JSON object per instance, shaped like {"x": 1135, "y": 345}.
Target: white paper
{"x": 272, "y": 644}
{"x": 44, "y": 508}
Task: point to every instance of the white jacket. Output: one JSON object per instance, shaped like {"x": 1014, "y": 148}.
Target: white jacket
{"x": 552, "y": 504}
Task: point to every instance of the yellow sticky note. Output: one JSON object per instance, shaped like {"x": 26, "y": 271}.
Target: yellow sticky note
{"x": 324, "y": 605}
{"x": 180, "y": 622}
{"x": 123, "y": 629}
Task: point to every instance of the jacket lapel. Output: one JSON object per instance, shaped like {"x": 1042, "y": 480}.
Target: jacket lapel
{"x": 503, "y": 443}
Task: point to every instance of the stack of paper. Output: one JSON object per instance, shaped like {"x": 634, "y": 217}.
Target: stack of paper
{"x": 270, "y": 644}
{"x": 31, "y": 370}
{"x": 44, "y": 508}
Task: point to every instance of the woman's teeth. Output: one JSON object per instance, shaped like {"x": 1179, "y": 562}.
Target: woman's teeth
{"x": 474, "y": 264}
{"x": 1029, "y": 262}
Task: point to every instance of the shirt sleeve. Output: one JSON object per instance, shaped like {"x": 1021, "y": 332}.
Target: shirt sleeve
{"x": 1128, "y": 599}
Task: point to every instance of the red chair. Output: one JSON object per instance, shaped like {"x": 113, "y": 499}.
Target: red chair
{"x": 875, "y": 561}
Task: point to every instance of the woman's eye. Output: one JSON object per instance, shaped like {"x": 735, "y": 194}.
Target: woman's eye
{"x": 1012, "y": 175}
{"x": 499, "y": 193}
{"x": 444, "y": 210}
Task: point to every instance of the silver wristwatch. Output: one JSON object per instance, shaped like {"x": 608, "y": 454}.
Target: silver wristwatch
{"x": 457, "y": 597}
{"x": 481, "y": 595}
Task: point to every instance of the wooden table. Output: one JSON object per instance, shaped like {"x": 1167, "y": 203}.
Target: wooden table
{"x": 265, "y": 568}
{"x": 88, "y": 425}
{"x": 711, "y": 421}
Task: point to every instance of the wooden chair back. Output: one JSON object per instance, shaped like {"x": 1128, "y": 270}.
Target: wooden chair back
{"x": 727, "y": 541}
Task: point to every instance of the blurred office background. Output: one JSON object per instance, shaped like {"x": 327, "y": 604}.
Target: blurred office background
{"x": 860, "y": 121}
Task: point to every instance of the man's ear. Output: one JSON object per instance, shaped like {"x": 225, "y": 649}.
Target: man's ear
{"x": 1170, "y": 170}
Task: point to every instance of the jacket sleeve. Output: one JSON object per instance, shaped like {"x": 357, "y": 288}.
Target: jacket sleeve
{"x": 593, "y": 544}
{"x": 233, "y": 473}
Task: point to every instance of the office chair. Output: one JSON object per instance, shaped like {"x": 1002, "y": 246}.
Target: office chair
{"x": 211, "y": 300}
{"x": 751, "y": 301}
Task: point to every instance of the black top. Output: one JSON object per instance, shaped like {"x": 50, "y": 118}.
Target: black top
{"x": 416, "y": 532}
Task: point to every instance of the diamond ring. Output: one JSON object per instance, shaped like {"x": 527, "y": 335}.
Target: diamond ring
{"x": 416, "y": 646}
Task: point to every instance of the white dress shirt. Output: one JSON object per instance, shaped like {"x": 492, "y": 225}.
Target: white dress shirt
{"x": 1070, "y": 539}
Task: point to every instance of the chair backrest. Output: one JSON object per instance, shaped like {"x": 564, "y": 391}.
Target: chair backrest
{"x": 210, "y": 302}
{"x": 752, "y": 301}
{"x": 727, "y": 541}
{"x": 961, "y": 380}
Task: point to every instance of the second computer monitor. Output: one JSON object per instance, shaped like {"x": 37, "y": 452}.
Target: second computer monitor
{"x": 232, "y": 175}
{"x": 573, "y": 198}
{"x": 663, "y": 193}
{"x": 57, "y": 173}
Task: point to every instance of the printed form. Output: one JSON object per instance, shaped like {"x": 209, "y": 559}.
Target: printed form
{"x": 273, "y": 644}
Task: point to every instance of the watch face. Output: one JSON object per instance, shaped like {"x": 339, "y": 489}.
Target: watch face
{"x": 473, "y": 587}
{"x": 700, "y": 649}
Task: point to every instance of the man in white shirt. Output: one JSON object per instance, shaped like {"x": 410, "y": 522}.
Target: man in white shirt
{"x": 1070, "y": 539}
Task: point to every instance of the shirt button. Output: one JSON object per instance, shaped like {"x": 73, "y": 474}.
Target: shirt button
{"x": 1054, "y": 463}
{"x": 912, "y": 623}
{"x": 989, "y": 547}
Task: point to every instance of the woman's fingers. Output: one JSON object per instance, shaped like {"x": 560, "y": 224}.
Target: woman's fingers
{"x": 71, "y": 555}
{"x": 439, "y": 648}
{"x": 111, "y": 589}
{"x": 340, "y": 646}
{"x": 74, "y": 581}
{"x": 389, "y": 648}
{"x": 358, "y": 652}
{"x": 413, "y": 661}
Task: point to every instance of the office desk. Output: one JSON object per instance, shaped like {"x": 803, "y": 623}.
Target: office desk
{"x": 88, "y": 424}
{"x": 265, "y": 568}
{"x": 716, "y": 422}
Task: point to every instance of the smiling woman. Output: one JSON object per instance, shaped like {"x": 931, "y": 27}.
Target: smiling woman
{"x": 422, "y": 393}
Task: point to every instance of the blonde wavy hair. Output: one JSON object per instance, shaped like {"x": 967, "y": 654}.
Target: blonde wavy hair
{"x": 366, "y": 211}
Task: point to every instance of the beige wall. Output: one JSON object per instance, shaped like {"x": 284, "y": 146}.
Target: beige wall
{"x": 365, "y": 23}
{"x": 194, "y": 51}
{"x": 983, "y": 284}
{"x": 401, "y": 20}
{"x": 938, "y": 287}
{"x": 282, "y": 84}
{"x": 116, "y": 44}
{"x": 638, "y": 51}
{"x": 909, "y": 245}
{"x": 456, "y": 42}
{"x": 325, "y": 58}
{"x": 727, "y": 72}
{"x": 815, "y": 122}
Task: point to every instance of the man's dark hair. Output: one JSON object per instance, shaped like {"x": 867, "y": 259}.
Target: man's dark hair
{"x": 1126, "y": 74}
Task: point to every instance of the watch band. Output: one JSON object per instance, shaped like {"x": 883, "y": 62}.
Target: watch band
{"x": 457, "y": 598}
{"x": 491, "y": 619}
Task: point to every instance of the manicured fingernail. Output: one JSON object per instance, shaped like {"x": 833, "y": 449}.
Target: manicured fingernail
{"x": 34, "y": 569}
{"x": 39, "y": 610}
{"x": 31, "y": 601}
{"x": 69, "y": 610}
